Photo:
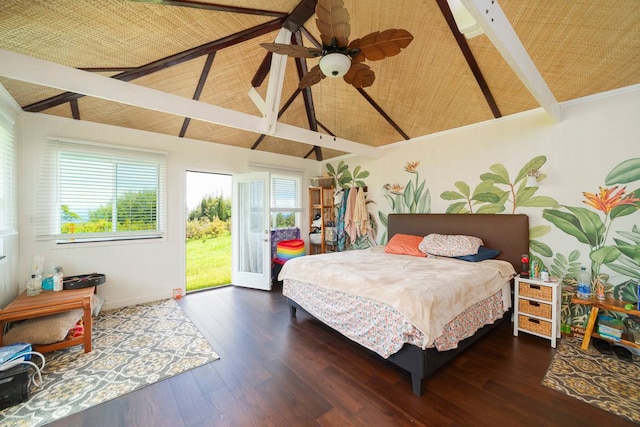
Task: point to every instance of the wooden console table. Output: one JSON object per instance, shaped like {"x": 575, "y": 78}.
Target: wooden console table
{"x": 596, "y": 305}
{"x": 50, "y": 302}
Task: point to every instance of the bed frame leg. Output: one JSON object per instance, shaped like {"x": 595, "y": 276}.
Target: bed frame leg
{"x": 416, "y": 384}
{"x": 292, "y": 310}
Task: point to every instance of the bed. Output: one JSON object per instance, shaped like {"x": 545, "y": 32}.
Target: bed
{"x": 408, "y": 318}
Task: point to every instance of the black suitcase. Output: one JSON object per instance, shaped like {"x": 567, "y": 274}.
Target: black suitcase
{"x": 14, "y": 386}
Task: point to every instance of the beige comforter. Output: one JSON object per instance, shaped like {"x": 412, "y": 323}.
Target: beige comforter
{"x": 429, "y": 291}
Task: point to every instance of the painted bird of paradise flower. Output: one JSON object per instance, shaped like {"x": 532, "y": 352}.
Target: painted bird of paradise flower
{"x": 410, "y": 198}
{"x": 609, "y": 198}
{"x": 590, "y": 228}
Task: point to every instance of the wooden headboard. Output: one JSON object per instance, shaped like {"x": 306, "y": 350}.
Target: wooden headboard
{"x": 507, "y": 233}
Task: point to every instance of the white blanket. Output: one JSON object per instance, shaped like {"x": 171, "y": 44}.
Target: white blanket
{"x": 429, "y": 291}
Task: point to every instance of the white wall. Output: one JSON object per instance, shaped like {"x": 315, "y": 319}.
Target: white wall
{"x": 138, "y": 271}
{"x": 10, "y": 242}
{"x": 594, "y": 136}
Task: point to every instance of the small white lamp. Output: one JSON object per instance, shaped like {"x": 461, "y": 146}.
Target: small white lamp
{"x": 335, "y": 65}
{"x": 532, "y": 178}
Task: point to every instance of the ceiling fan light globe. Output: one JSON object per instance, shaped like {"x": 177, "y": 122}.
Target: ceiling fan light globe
{"x": 335, "y": 65}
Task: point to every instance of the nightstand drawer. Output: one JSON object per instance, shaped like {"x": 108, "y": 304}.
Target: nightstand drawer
{"x": 535, "y": 308}
{"x": 534, "y": 325}
{"x": 535, "y": 291}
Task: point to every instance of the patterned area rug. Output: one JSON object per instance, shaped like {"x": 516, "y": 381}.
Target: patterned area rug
{"x": 132, "y": 347}
{"x": 600, "y": 380}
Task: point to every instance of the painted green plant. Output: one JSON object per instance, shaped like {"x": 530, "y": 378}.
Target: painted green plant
{"x": 411, "y": 198}
{"x": 627, "y": 264}
{"x": 344, "y": 178}
{"x": 496, "y": 189}
{"x": 591, "y": 225}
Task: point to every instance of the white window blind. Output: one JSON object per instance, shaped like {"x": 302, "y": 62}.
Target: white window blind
{"x": 90, "y": 192}
{"x": 285, "y": 201}
{"x": 8, "y": 193}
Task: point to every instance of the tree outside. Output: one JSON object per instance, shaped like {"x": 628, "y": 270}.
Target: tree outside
{"x": 208, "y": 231}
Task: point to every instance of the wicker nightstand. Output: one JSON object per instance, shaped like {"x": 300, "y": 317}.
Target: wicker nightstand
{"x": 537, "y": 308}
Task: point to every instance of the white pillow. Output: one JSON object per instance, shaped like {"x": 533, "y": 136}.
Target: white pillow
{"x": 450, "y": 245}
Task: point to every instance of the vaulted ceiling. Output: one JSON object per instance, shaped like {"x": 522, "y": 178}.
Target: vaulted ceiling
{"x": 186, "y": 68}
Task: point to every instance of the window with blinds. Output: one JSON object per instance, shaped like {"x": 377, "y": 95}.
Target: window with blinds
{"x": 96, "y": 192}
{"x": 285, "y": 201}
{"x": 8, "y": 171}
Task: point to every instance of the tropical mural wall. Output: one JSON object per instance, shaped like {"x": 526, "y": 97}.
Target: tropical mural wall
{"x": 585, "y": 210}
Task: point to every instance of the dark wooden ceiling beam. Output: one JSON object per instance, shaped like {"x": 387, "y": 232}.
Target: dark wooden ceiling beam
{"x": 75, "y": 110}
{"x": 262, "y": 71}
{"x": 196, "y": 95}
{"x": 258, "y": 141}
{"x": 313, "y": 150}
{"x": 168, "y": 61}
{"x": 294, "y": 22}
{"x": 310, "y": 37}
{"x": 326, "y": 129}
{"x": 468, "y": 56}
{"x": 300, "y": 14}
{"x": 379, "y": 109}
{"x": 106, "y": 69}
{"x": 301, "y": 67}
{"x": 216, "y": 7}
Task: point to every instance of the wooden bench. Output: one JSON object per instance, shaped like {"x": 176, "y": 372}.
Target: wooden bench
{"x": 607, "y": 304}
{"x": 50, "y": 302}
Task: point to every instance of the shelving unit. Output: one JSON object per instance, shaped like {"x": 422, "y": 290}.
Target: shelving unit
{"x": 321, "y": 203}
{"x": 608, "y": 304}
{"x": 537, "y": 308}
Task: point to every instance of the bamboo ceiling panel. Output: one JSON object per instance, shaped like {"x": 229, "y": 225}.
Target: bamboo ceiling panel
{"x": 580, "y": 47}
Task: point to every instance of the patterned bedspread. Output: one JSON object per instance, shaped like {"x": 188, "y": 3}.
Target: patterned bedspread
{"x": 351, "y": 303}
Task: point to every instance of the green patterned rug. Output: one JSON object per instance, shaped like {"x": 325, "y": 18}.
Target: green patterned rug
{"x": 600, "y": 380}
{"x": 132, "y": 347}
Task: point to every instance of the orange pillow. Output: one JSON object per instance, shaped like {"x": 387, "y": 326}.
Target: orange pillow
{"x": 404, "y": 244}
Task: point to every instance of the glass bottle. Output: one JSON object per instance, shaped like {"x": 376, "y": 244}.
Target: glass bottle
{"x": 34, "y": 286}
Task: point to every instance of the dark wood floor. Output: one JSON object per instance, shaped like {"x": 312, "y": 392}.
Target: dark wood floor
{"x": 277, "y": 371}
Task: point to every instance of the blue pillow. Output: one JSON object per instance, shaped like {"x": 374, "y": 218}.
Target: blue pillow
{"x": 483, "y": 253}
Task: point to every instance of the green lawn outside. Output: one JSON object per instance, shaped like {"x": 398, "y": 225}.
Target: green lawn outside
{"x": 208, "y": 262}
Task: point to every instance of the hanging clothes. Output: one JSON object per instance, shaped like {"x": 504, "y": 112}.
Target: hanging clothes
{"x": 350, "y": 227}
{"x": 342, "y": 207}
{"x": 360, "y": 214}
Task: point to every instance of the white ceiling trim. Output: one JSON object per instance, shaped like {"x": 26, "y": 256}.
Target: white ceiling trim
{"x": 497, "y": 27}
{"x": 32, "y": 70}
{"x": 276, "y": 82}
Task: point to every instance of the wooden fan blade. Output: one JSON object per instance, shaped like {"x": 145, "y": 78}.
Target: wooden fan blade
{"x": 292, "y": 50}
{"x": 313, "y": 76}
{"x": 359, "y": 75}
{"x": 333, "y": 22}
{"x": 380, "y": 45}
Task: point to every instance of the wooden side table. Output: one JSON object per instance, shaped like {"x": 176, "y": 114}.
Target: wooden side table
{"x": 596, "y": 305}
{"x": 537, "y": 308}
{"x": 50, "y": 302}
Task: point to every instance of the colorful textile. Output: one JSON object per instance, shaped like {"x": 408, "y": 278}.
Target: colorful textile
{"x": 279, "y": 234}
{"x": 340, "y": 221}
{"x": 288, "y": 249}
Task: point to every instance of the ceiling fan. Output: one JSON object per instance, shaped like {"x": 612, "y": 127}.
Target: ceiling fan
{"x": 338, "y": 57}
